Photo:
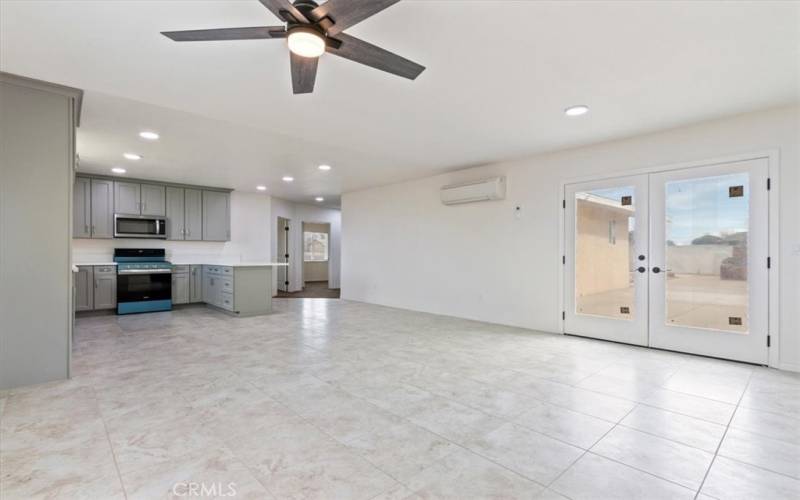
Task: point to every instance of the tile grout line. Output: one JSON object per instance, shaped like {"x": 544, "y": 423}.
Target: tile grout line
{"x": 110, "y": 445}
{"x": 722, "y": 440}
{"x": 585, "y": 451}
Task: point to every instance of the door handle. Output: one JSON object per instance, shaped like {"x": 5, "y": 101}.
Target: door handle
{"x": 642, "y": 269}
{"x": 656, "y": 270}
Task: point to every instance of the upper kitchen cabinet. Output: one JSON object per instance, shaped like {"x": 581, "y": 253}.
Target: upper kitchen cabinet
{"x": 216, "y": 216}
{"x": 193, "y": 215}
{"x": 102, "y": 202}
{"x": 92, "y": 204}
{"x": 81, "y": 208}
{"x": 132, "y": 198}
{"x": 184, "y": 214}
{"x": 153, "y": 200}
{"x": 127, "y": 198}
{"x": 176, "y": 229}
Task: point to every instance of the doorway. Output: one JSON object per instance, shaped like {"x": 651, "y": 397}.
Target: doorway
{"x": 283, "y": 254}
{"x": 675, "y": 260}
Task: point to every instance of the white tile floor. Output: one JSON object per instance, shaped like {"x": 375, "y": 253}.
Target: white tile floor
{"x": 331, "y": 399}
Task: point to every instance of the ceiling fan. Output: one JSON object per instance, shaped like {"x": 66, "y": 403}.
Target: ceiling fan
{"x": 311, "y": 30}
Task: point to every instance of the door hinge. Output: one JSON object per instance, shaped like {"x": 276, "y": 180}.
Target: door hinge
{"x": 769, "y": 262}
{"x": 563, "y": 259}
{"x": 563, "y": 314}
{"x": 563, "y": 203}
{"x": 769, "y": 340}
{"x": 769, "y": 183}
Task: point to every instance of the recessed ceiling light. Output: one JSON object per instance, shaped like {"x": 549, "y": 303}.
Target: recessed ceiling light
{"x": 288, "y": 178}
{"x": 261, "y": 188}
{"x": 319, "y": 198}
{"x": 306, "y": 42}
{"x": 324, "y": 167}
{"x": 118, "y": 170}
{"x": 132, "y": 156}
{"x": 580, "y": 109}
{"x": 150, "y": 136}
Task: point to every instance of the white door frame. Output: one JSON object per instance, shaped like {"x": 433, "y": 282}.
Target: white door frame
{"x": 773, "y": 158}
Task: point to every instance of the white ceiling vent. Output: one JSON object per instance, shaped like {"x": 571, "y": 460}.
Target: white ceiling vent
{"x": 468, "y": 192}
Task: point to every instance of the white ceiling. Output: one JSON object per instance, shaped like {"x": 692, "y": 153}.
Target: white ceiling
{"x": 499, "y": 75}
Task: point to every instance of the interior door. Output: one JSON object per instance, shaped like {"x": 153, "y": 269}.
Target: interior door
{"x": 606, "y": 259}
{"x": 283, "y": 254}
{"x": 708, "y": 270}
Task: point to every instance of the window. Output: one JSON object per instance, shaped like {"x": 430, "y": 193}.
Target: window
{"x": 315, "y": 247}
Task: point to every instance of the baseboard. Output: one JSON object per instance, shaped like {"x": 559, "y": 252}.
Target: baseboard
{"x": 789, "y": 367}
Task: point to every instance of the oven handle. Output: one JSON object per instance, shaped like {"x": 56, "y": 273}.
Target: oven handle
{"x": 145, "y": 271}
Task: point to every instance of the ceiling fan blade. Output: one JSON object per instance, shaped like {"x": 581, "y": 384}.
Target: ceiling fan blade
{"x": 279, "y": 7}
{"x": 304, "y": 73}
{"x": 365, "y": 53}
{"x": 346, "y": 13}
{"x": 254, "y": 33}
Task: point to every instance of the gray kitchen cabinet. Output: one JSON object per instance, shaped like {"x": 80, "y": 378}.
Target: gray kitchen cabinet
{"x": 196, "y": 284}
{"x": 212, "y": 285}
{"x": 180, "y": 287}
{"x": 102, "y": 223}
{"x": 153, "y": 199}
{"x": 84, "y": 288}
{"x": 175, "y": 214}
{"x": 127, "y": 198}
{"x": 105, "y": 287}
{"x": 81, "y": 208}
{"x": 193, "y": 215}
{"x": 216, "y": 216}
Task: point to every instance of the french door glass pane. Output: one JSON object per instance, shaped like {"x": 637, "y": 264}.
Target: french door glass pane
{"x": 604, "y": 256}
{"x": 706, "y": 249}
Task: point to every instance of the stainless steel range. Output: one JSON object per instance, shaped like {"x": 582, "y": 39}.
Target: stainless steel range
{"x": 144, "y": 280}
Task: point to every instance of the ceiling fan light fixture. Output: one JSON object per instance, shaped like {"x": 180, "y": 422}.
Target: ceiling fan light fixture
{"x": 306, "y": 42}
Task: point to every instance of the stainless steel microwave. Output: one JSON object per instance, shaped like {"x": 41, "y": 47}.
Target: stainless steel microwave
{"x": 140, "y": 226}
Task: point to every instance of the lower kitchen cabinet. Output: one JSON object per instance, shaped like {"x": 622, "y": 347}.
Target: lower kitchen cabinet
{"x": 241, "y": 290}
{"x": 196, "y": 284}
{"x": 105, "y": 287}
{"x": 180, "y": 288}
{"x": 84, "y": 288}
{"x": 95, "y": 288}
{"x": 187, "y": 284}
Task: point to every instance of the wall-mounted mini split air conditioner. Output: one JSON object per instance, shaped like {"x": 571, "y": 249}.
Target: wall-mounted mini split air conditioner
{"x": 468, "y": 192}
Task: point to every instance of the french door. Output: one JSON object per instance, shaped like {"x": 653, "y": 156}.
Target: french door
{"x": 675, "y": 260}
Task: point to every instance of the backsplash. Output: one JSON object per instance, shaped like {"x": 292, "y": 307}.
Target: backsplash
{"x": 84, "y": 250}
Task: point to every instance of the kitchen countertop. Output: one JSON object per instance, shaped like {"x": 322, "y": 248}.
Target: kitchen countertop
{"x": 94, "y": 263}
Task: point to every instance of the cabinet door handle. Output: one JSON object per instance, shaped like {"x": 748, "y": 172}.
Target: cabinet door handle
{"x": 93, "y": 229}
{"x": 86, "y": 228}
{"x": 95, "y": 283}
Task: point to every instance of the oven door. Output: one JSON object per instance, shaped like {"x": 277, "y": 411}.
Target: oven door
{"x": 139, "y": 226}
{"x": 139, "y": 287}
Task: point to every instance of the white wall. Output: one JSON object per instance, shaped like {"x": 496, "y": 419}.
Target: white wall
{"x": 298, "y": 213}
{"x": 478, "y": 261}
{"x": 250, "y": 238}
